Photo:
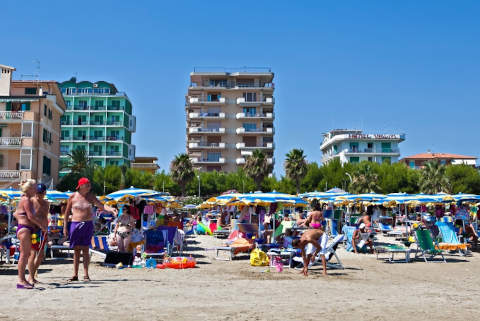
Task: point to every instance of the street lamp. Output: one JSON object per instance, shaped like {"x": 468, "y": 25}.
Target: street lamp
{"x": 198, "y": 176}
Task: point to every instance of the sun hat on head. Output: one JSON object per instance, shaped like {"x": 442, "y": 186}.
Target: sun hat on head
{"x": 41, "y": 188}
{"x": 362, "y": 226}
{"x": 82, "y": 181}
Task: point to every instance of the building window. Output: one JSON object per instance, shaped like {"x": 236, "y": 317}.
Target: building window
{"x": 30, "y": 91}
{"x": 250, "y": 127}
{"x": 354, "y": 147}
{"x": 116, "y": 103}
{"x": 370, "y": 159}
{"x": 25, "y": 106}
{"x": 1, "y": 160}
{"x": 354, "y": 159}
{"x": 98, "y": 103}
{"x": 69, "y": 103}
{"x": 47, "y": 164}
{"x": 412, "y": 164}
{"x": 213, "y": 157}
{"x": 50, "y": 114}
{"x": 443, "y": 162}
{"x": 250, "y": 96}
{"x": 45, "y": 110}
{"x": 387, "y": 160}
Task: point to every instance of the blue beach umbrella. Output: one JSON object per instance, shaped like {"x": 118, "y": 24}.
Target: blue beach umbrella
{"x": 132, "y": 191}
{"x": 54, "y": 195}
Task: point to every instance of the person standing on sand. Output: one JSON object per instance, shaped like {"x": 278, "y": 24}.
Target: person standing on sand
{"x": 315, "y": 217}
{"x": 310, "y": 247}
{"x": 81, "y": 229}
{"x": 41, "y": 207}
{"x": 28, "y": 224}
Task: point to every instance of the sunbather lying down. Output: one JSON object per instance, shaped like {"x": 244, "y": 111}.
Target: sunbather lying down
{"x": 311, "y": 243}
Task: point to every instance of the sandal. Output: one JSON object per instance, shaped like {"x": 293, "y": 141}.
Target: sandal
{"x": 27, "y": 286}
{"x": 86, "y": 278}
{"x": 73, "y": 278}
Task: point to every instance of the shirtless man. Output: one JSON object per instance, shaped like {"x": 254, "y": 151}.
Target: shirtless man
{"x": 310, "y": 247}
{"x": 315, "y": 218}
{"x": 41, "y": 207}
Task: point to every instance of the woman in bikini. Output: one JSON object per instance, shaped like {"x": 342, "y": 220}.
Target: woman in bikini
{"x": 80, "y": 206}
{"x": 315, "y": 217}
{"x": 123, "y": 230}
{"x": 28, "y": 224}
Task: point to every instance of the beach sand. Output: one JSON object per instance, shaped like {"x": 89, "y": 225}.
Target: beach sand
{"x": 367, "y": 289}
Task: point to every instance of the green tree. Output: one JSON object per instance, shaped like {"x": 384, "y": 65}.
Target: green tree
{"x": 257, "y": 167}
{"x": 108, "y": 178}
{"x": 78, "y": 161}
{"x": 181, "y": 169}
{"x": 463, "y": 179}
{"x": 334, "y": 175}
{"x": 433, "y": 178}
{"x": 296, "y": 167}
{"x": 163, "y": 182}
{"x": 365, "y": 179}
{"x": 312, "y": 178}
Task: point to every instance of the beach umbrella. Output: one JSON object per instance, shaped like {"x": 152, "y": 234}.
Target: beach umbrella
{"x": 466, "y": 197}
{"x": 132, "y": 192}
{"x": 10, "y": 193}
{"x": 190, "y": 207}
{"x": 259, "y": 198}
{"x": 55, "y": 196}
{"x": 328, "y": 195}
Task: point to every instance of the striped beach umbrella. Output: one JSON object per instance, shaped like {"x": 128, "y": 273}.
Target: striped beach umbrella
{"x": 272, "y": 197}
{"x": 10, "y": 193}
{"x": 53, "y": 195}
{"x": 132, "y": 192}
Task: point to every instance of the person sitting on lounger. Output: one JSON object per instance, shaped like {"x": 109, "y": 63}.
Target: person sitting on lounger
{"x": 362, "y": 237}
{"x": 312, "y": 242}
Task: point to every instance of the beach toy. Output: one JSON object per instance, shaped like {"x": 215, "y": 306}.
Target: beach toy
{"x": 415, "y": 225}
{"x": 205, "y": 228}
{"x": 137, "y": 266}
{"x": 179, "y": 262}
{"x": 411, "y": 239}
{"x": 14, "y": 228}
{"x": 150, "y": 263}
{"x": 160, "y": 266}
{"x": 119, "y": 265}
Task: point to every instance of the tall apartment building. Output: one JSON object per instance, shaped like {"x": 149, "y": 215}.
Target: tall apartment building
{"x": 99, "y": 120}
{"x": 229, "y": 115}
{"x": 30, "y": 114}
{"x": 354, "y": 146}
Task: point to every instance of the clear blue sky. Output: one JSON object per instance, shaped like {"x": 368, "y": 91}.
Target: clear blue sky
{"x": 381, "y": 66}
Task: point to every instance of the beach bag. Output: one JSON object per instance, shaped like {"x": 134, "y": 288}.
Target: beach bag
{"x": 259, "y": 258}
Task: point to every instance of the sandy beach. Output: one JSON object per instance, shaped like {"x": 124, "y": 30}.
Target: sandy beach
{"x": 367, "y": 289}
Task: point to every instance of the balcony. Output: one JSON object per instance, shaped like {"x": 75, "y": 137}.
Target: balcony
{"x": 113, "y": 153}
{"x": 203, "y": 145}
{"x": 11, "y": 116}
{"x": 80, "y": 107}
{"x": 254, "y": 131}
{"x": 114, "y": 138}
{"x": 264, "y": 146}
{"x": 10, "y": 142}
{"x": 98, "y": 108}
{"x": 97, "y": 123}
{"x": 196, "y": 160}
{"x": 199, "y": 130}
{"x": 114, "y": 123}
{"x": 96, "y": 153}
{"x": 242, "y": 160}
{"x": 64, "y": 152}
{"x": 200, "y": 101}
{"x": 372, "y": 151}
{"x": 266, "y": 101}
{"x": 9, "y": 175}
{"x": 80, "y": 123}
{"x": 254, "y": 116}
{"x": 65, "y": 122}
{"x": 119, "y": 108}
{"x": 206, "y": 115}
{"x": 97, "y": 138}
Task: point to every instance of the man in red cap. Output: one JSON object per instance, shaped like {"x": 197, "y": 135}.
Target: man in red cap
{"x": 80, "y": 206}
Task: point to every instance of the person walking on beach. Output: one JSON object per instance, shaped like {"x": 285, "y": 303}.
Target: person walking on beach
{"x": 28, "y": 224}
{"x": 312, "y": 242}
{"x": 40, "y": 207}
{"x": 80, "y": 206}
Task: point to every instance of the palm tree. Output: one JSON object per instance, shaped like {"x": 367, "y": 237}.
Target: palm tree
{"x": 257, "y": 167}
{"x": 296, "y": 166}
{"x": 364, "y": 180}
{"x": 181, "y": 169}
{"x": 433, "y": 178}
{"x": 78, "y": 162}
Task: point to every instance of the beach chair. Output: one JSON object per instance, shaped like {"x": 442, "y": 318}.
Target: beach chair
{"x": 425, "y": 245}
{"x": 450, "y": 240}
{"x": 99, "y": 245}
{"x": 331, "y": 251}
{"x": 385, "y": 228}
{"x": 393, "y": 249}
{"x": 156, "y": 243}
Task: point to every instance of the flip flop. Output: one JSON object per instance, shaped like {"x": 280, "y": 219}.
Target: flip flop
{"x": 24, "y": 286}
{"x": 73, "y": 278}
{"x": 86, "y": 279}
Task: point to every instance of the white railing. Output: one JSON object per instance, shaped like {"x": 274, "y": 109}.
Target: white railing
{"x": 197, "y": 100}
{"x": 11, "y": 115}
{"x": 10, "y": 141}
{"x": 241, "y": 100}
{"x": 197, "y": 160}
{"x": 6, "y": 174}
{"x": 193, "y": 130}
{"x": 244, "y": 115}
{"x": 242, "y": 130}
{"x": 206, "y": 145}
{"x": 206, "y": 115}
{"x": 265, "y": 146}
{"x": 240, "y": 160}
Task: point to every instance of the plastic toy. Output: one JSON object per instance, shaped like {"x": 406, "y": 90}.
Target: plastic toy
{"x": 160, "y": 266}
{"x": 179, "y": 262}
{"x": 202, "y": 228}
{"x": 150, "y": 263}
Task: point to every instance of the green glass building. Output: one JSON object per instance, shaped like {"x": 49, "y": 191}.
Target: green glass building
{"x": 99, "y": 120}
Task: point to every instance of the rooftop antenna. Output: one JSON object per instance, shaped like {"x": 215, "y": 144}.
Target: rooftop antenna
{"x": 35, "y": 76}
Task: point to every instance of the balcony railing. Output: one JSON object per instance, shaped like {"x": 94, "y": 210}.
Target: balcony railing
{"x": 98, "y": 108}
{"x": 264, "y": 146}
{"x": 9, "y": 175}
{"x": 372, "y": 151}
{"x": 206, "y": 145}
{"x": 251, "y": 116}
{"x": 97, "y": 138}
{"x": 243, "y": 130}
{"x": 266, "y": 101}
{"x": 197, "y": 100}
{"x": 115, "y": 107}
{"x": 81, "y": 123}
{"x": 242, "y": 160}
{"x": 113, "y": 153}
{"x": 114, "y": 138}
{"x": 97, "y": 123}
{"x": 65, "y": 122}
{"x": 220, "y": 160}
{"x": 10, "y": 141}
{"x": 96, "y": 153}
{"x": 193, "y": 130}
{"x": 80, "y": 107}
{"x": 207, "y": 115}
{"x": 11, "y": 115}
{"x": 114, "y": 123}
{"x": 64, "y": 152}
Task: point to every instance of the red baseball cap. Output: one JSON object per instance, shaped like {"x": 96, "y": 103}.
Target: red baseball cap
{"x": 83, "y": 181}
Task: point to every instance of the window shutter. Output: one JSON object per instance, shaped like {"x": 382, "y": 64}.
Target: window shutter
{"x": 9, "y": 106}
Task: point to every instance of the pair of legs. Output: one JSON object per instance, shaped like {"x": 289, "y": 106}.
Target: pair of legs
{"x": 311, "y": 258}
{"x": 123, "y": 242}
{"x": 25, "y": 237}
{"x": 77, "y": 252}
{"x": 34, "y": 261}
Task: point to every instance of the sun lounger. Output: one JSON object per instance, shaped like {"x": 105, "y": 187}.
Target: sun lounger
{"x": 99, "y": 245}
{"x": 240, "y": 245}
{"x": 331, "y": 251}
{"x": 450, "y": 240}
{"x": 425, "y": 245}
{"x": 385, "y": 228}
{"x": 393, "y": 249}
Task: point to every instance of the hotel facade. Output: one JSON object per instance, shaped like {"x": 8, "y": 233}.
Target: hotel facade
{"x": 353, "y": 146}
{"x": 228, "y": 116}
{"x": 98, "y": 120}
{"x": 30, "y": 114}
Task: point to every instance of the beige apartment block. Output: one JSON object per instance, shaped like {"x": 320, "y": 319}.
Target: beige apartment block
{"x": 30, "y": 114}
{"x": 229, "y": 115}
